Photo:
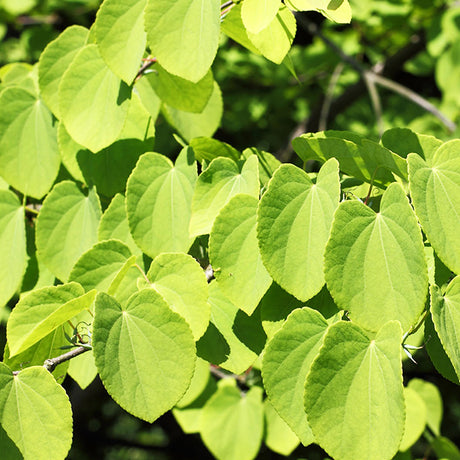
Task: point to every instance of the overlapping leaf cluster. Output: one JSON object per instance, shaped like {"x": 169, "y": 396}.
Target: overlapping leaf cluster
{"x": 319, "y": 277}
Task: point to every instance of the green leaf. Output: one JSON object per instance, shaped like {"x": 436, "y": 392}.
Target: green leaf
{"x": 205, "y": 123}
{"x": 182, "y": 283}
{"x": 258, "y": 14}
{"x": 144, "y": 352}
{"x": 446, "y": 449}
{"x": 103, "y": 266}
{"x": 29, "y": 157}
{"x": 35, "y": 412}
{"x": 114, "y": 225}
{"x": 47, "y": 347}
{"x": 55, "y": 59}
{"x": 189, "y": 417}
{"x": 121, "y": 37}
{"x": 216, "y": 185}
{"x": 286, "y": 363}
{"x": 433, "y": 402}
{"x": 183, "y": 35}
{"x": 66, "y": 227}
{"x": 91, "y": 96}
{"x": 43, "y": 310}
{"x": 234, "y": 253}
{"x": 354, "y": 393}
{"x": 360, "y": 158}
{"x": 233, "y": 27}
{"x": 415, "y": 419}
{"x": 180, "y": 93}
{"x": 375, "y": 265}
{"x": 158, "y": 202}
{"x": 404, "y": 141}
{"x": 275, "y": 307}
{"x": 68, "y": 150}
{"x": 434, "y": 186}
{"x": 294, "y": 223}
{"x": 13, "y": 255}
{"x": 232, "y": 423}
{"x": 206, "y": 148}
{"x": 233, "y": 339}
{"x": 445, "y": 310}
{"x": 335, "y": 10}
{"x": 268, "y": 164}
{"x": 198, "y": 384}
{"x": 8, "y": 447}
{"x": 278, "y": 436}
{"x": 437, "y": 353}
{"x": 275, "y": 40}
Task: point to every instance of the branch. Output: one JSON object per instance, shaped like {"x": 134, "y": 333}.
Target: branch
{"x": 370, "y": 77}
{"x": 50, "y": 364}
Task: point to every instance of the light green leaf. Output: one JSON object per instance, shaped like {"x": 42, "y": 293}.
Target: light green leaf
{"x": 233, "y": 27}
{"x": 198, "y": 384}
{"x": 55, "y": 59}
{"x": 91, "y": 96}
{"x": 294, "y": 223}
{"x": 232, "y": 423}
{"x": 404, "y": 141}
{"x": 435, "y": 188}
{"x": 233, "y": 339}
{"x": 375, "y": 265}
{"x": 147, "y": 95}
{"x": 158, "y": 202}
{"x": 335, "y": 10}
{"x": 103, "y": 267}
{"x": 121, "y": 37}
{"x": 415, "y": 419}
{"x": 114, "y": 225}
{"x": 436, "y": 352}
{"x": 234, "y": 253}
{"x": 358, "y": 157}
{"x": 222, "y": 180}
{"x": 180, "y": 93}
{"x": 433, "y": 402}
{"x": 35, "y": 412}
{"x": 275, "y": 307}
{"x": 183, "y": 35}
{"x": 275, "y": 40}
{"x": 66, "y": 227}
{"x": 445, "y": 310}
{"x": 144, "y": 352}
{"x": 47, "y": 347}
{"x": 68, "y": 150}
{"x": 8, "y": 447}
{"x": 182, "y": 283}
{"x": 43, "y": 310}
{"x": 189, "y": 417}
{"x": 207, "y": 148}
{"x": 13, "y": 255}
{"x": 354, "y": 393}
{"x": 286, "y": 363}
{"x": 278, "y": 436}
{"x": 258, "y": 14}
{"x": 268, "y": 164}
{"x": 29, "y": 156}
{"x": 205, "y": 123}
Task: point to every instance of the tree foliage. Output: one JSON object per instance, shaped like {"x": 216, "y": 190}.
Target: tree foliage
{"x": 260, "y": 302}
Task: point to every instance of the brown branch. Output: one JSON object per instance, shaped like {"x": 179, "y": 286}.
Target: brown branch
{"x": 50, "y": 364}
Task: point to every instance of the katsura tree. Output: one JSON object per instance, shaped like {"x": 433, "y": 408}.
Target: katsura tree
{"x": 257, "y": 301}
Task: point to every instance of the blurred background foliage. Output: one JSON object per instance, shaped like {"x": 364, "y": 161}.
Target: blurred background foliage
{"x": 413, "y": 44}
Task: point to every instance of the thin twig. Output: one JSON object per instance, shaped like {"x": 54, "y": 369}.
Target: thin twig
{"x": 329, "y": 96}
{"x": 375, "y": 100}
{"x": 414, "y": 97}
{"x": 148, "y": 62}
{"x": 52, "y": 363}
